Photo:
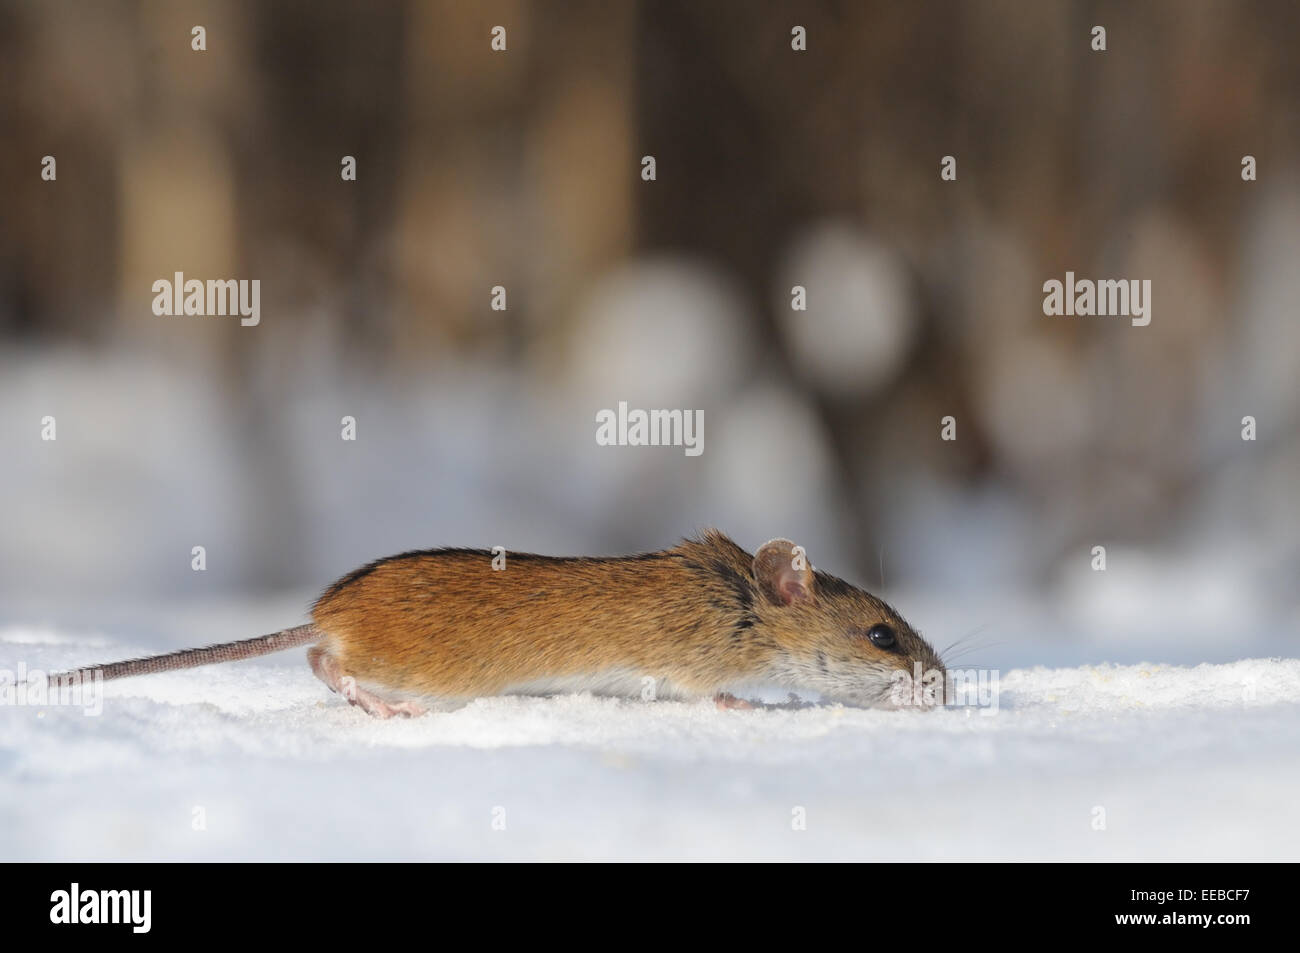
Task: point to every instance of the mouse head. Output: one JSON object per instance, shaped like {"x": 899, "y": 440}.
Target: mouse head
{"x": 838, "y": 640}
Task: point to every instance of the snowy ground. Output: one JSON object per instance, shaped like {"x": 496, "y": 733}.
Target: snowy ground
{"x": 1187, "y": 762}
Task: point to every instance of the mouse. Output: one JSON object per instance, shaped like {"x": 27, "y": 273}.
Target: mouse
{"x": 434, "y": 629}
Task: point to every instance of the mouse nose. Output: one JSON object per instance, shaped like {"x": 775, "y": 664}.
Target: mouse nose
{"x": 932, "y": 689}
{"x": 918, "y": 688}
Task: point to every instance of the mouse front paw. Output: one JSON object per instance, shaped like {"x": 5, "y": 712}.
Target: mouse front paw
{"x": 725, "y": 700}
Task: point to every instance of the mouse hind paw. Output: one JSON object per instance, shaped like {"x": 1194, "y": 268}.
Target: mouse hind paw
{"x": 327, "y": 669}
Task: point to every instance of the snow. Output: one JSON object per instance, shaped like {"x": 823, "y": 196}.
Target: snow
{"x": 1187, "y": 762}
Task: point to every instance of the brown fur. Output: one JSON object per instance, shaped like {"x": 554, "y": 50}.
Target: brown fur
{"x": 444, "y": 623}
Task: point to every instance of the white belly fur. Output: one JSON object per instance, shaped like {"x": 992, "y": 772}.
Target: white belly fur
{"x": 619, "y": 683}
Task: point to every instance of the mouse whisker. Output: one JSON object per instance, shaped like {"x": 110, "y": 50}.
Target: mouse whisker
{"x": 969, "y": 635}
{"x": 948, "y": 660}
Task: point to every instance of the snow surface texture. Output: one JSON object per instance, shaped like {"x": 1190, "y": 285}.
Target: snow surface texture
{"x": 1187, "y": 763}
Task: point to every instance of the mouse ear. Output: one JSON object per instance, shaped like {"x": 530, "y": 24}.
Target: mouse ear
{"x": 782, "y": 572}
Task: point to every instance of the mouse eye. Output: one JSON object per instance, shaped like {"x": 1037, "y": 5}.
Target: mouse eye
{"x": 881, "y": 636}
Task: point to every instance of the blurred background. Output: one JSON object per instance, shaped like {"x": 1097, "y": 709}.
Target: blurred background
{"x": 774, "y": 168}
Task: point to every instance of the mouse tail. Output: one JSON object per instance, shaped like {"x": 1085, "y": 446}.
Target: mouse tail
{"x": 192, "y": 658}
